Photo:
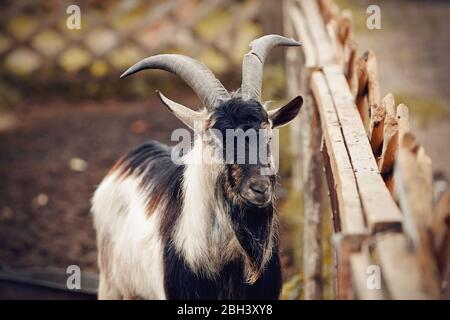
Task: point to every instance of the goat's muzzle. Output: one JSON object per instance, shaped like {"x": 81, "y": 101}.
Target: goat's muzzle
{"x": 257, "y": 190}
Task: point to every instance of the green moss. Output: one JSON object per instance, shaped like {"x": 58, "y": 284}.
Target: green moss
{"x": 328, "y": 265}
{"x": 292, "y": 288}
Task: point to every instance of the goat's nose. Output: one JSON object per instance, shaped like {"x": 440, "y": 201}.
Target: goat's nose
{"x": 260, "y": 185}
{"x": 257, "y": 190}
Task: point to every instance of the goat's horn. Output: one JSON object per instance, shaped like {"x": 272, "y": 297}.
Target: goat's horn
{"x": 194, "y": 73}
{"x": 252, "y": 66}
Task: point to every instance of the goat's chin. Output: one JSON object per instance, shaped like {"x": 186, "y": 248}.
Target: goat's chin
{"x": 251, "y": 204}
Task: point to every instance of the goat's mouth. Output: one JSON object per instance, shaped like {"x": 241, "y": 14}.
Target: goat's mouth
{"x": 257, "y": 190}
{"x": 257, "y": 198}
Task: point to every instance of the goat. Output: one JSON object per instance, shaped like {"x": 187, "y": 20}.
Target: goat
{"x": 170, "y": 230}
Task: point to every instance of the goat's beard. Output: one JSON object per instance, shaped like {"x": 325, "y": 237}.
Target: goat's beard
{"x": 255, "y": 227}
{"x": 254, "y": 230}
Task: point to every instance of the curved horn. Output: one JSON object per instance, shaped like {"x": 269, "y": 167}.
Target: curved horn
{"x": 194, "y": 73}
{"x": 252, "y": 66}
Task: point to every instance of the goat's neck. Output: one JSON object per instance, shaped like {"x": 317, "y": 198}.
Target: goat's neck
{"x": 203, "y": 234}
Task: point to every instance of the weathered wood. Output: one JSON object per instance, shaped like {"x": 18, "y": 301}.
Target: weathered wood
{"x": 389, "y": 104}
{"x": 368, "y": 157}
{"x": 380, "y": 210}
{"x": 359, "y": 266}
{"x": 328, "y": 9}
{"x": 313, "y": 208}
{"x": 413, "y": 188}
{"x": 344, "y": 27}
{"x": 351, "y": 68}
{"x": 297, "y": 74}
{"x": 377, "y": 112}
{"x": 390, "y": 143}
{"x": 441, "y": 232}
{"x": 361, "y": 94}
{"x": 311, "y": 163}
{"x": 351, "y": 220}
{"x": 376, "y": 129}
{"x": 301, "y": 29}
{"x": 343, "y": 252}
{"x": 350, "y": 211}
{"x": 400, "y": 268}
{"x": 403, "y": 120}
{"x": 413, "y": 182}
{"x": 317, "y": 29}
{"x": 332, "y": 190}
{"x": 372, "y": 78}
{"x": 336, "y": 45}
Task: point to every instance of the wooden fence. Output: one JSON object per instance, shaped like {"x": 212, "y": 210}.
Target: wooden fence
{"x": 379, "y": 178}
{"x": 34, "y": 38}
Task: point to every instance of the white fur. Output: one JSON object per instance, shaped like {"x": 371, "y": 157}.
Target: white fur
{"x": 204, "y": 235}
{"x": 135, "y": 265}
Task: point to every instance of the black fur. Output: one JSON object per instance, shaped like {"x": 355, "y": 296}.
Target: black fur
{"x": 229, "y": 284}
{"x": 236, "y": 113}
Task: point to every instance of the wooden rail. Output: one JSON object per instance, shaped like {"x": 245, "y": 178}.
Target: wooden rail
{"x": 379, "y": 178}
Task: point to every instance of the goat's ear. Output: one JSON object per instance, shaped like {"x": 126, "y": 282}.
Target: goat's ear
{"x": 193, "y": 119}
{"x": 286, "y": 113}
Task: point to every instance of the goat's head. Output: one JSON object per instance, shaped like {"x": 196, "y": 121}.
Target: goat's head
{"x": 243, "y": 178}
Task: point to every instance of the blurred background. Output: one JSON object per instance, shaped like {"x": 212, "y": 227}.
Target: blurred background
{"x": 65, "y": 117}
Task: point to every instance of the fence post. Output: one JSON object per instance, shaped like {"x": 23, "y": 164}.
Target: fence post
{"x": 307, "y": 166}
{"x": 312, "y": 193}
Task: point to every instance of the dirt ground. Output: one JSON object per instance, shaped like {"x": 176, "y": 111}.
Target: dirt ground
{"x": 45, "y": 194}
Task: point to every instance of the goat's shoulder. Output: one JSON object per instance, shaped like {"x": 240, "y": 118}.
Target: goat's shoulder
{"x": 144, "y": 177}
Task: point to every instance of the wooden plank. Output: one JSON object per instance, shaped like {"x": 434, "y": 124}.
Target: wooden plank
{"x": 372, "y": 78}
{"x": 336, "y": 45}
{"x": 359, "y": 265}
{"x": 441, "y": 232}
{"x": 313, "y": 207}
{"x": 389, "y": 105}
{"x": 413, "y": 182}
{"x": 400, "y": 268}
{"x": 377, "y": 111}
{"x": 310, "y": 162}
{"x": 403, "y": 120}
{"x": 298, "y": 22}
{"x": 361, "y": 93}
{"x": 350, "y": 209}
{"x": 297, "y": 75}
{"x": 380, "y": 210}
{"x": 344, "y": 27}
{"x": 342, "y": 248}
{"x": 376, "y": 129}
{"x": 328, "y": 10}
{"x": 414, "y": 188}
{"x": 317, "y": 29}
{"x": 351, "y": 68}
{"x": 390, "y": 143}
{"x": 332, "y": 190}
